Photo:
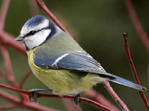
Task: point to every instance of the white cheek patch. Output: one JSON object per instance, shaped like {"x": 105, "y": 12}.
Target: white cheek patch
{"x": 37, "y": 39}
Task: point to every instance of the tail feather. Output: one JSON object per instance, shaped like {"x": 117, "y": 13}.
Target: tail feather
{"x": 128, "y": 83}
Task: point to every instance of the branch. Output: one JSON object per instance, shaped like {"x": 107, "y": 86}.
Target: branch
{"x": 71, "y": 106}
{"x": 136, "y": 22}
{"x": 115, "y": 96}
{"x": 100, "y": 99}
{"x": 133, "y": 68}
{"x": 24, "y": 78}
{"x": 6, "y": 77}
{"x": 8, "y": 65}
{"x": 3, "y": 12}
{"x": 6, "y": 107}
{"x": 34, "y": 9}
{"x": 25, "y": 104}
{"x": 83, "y": 99}
{"x": 8, "y": 40}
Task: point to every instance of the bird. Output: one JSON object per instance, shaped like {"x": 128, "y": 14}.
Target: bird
{"x": 59, "y": 62}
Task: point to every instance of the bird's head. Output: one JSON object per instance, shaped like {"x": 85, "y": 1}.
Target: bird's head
{"x": 36, "y": 31}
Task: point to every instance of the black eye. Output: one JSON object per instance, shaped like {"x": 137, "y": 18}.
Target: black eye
{"x": 32, "y": 32}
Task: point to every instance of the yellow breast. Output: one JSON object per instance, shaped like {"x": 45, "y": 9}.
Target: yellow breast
{"x": 63, "y": 81}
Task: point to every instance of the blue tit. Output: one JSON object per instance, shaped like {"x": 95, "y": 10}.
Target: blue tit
{"x": 59, "y": 62}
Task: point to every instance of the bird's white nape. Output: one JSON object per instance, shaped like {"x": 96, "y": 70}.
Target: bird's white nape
{"x": 37, "y": 39}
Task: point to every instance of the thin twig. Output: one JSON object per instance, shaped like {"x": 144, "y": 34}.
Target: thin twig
{"x": 115, "y": 96}
{"x": 8, "y": 65}
{"x": 83, "y": 99}
{"x": 70, "y": 106}
{"x": 133, "y": 68}
{"x": 3, "y": 12}
{"x": 9, "y": 41}
{"x": 6, "y": 107}
{"x": 10, "y": 75}
{"x": 24, "y": 78}
{"x": 25, "y": 104}
{"x": 34, "y": 9}
{"x": 136, "y": 22}
{"x": 6, "y": 77}
{"x": 3, "y": 75}
{"x": 99, "y": 98}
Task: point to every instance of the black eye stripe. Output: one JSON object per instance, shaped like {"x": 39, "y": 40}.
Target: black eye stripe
{"x": 32, "y": 32}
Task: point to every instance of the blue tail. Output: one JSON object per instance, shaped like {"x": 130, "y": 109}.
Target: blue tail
{"x": 128, "y": 83}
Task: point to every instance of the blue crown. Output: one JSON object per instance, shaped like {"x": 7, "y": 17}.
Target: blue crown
{"x": 35, "y": 21}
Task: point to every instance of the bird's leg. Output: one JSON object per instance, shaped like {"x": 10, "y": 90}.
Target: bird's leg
{"x": 35, "y": 92}
{"x": 77, "y": 99}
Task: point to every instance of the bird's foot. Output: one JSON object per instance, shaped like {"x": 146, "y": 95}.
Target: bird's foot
{"x": 35, "y": 92}
{"x": 77, "y": 99}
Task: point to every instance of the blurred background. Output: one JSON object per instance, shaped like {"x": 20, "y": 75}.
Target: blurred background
{"x": 97, "y": 25}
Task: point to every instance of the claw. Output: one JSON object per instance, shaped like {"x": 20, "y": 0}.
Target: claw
{"x": 33, "y": 97}
{"x": 35, "y": 92}
{"x": 77, "y": 99}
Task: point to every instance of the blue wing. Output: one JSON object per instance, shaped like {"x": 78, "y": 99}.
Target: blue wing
{"x": 81, "y": 61}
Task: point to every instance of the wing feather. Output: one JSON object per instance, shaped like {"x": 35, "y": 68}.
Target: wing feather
{"x": 79, "y": 61}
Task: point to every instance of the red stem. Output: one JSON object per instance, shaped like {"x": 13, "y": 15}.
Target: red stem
{"x": 8, "y": 65}
{"x": 4, "y": 75}
{"x": 115, "y": 97}
{"x": 133, "y": 68}
{"x": 3, "y": 12}
{"x": 136, "y": 22}
{"x": 99, "y": 98}
{"x": 83, "y": 99}
{"x": 8, "y": 40}
{"x": 34, "y": 9}
{"x": 10, "y": 75}
{"x": 71, "y": 106}
{"x": 100, "y": 106}
{"x": 25, "y": 104}
{"x": 6, "y": 107}
{"x": 24, "y": 78}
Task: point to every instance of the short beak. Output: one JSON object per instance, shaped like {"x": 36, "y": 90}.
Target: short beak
{"x": 19, "y": 38}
